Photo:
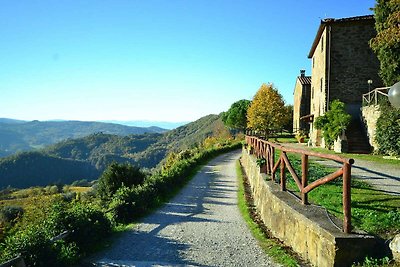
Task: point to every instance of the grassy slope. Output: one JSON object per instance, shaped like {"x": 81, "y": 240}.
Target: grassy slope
{"x": 272, "y": 247}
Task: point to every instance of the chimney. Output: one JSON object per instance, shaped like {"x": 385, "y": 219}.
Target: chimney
{"x": 302, "y": 73}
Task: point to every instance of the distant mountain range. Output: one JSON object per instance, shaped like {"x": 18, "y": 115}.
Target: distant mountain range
{"x": 17, "y": 135}
{"x": 162, "y": 124}
{"x": 86, "y": 157}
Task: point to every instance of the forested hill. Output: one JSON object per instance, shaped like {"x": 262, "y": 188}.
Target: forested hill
{"x": 183, "y": 137}
{"x": 86, "y": 158}
{"x": 23, "y": 136}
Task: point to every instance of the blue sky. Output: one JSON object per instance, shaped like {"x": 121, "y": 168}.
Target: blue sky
{"x": 163, "y": 60}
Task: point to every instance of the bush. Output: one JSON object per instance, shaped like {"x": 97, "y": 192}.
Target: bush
{"x": 129, "y": 203}
{"x": 87, "y": 226}
{"x": 333, "y": 122}
{"x": 388, "y": 131}
{"x": 10, "y": 214}
{"x": 33, "y": 244}
{"x": 117, "y": 175}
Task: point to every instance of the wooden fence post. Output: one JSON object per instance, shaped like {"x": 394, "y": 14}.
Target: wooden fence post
{"x": 283, "y": 176}
{"x": 347, "y": 198}
{"x": 304, "y": 173}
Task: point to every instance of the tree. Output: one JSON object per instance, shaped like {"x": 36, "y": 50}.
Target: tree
{"x": 267, "y": 110}
{"x": 333, "y": 122}
{"x": 288, "y": 118}
{"x": 117, "y": 175}
{"x": 386, "y": 44}
{"x": 235, "y": 117}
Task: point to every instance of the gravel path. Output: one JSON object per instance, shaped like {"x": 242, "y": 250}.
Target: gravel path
{"x": 201, "y": 226}
{"x": 383, "y": 177}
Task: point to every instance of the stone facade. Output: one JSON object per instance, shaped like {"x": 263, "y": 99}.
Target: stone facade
{"x": 342, "y": 63}
{"x": 301, "y": 106}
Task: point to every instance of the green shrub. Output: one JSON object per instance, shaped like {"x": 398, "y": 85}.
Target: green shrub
{"x": 117, "y": 175}
{"x": 129, "y": 203}
{"x": 87, "y": 225}
{"x": 33, "y": 244}
{"x": 388, "y": 131}
{"x": 333, "y": 122}
{"x": 10, "y": 214}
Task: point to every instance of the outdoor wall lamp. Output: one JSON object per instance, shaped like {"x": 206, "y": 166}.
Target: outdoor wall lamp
{"x": 394, "y": 95}
{"x": 369, "y": 85}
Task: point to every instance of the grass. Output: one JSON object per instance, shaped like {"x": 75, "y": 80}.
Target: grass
{"x": 368, "y": 157}
{"x": 272, "y": 247}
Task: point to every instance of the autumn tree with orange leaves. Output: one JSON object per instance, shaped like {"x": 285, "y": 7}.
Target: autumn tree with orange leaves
{"x": 267, "y": 110}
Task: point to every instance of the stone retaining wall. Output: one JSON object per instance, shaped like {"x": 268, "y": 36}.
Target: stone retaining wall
{"x": 306, "y": 229}
{"x": 370, "y": 115}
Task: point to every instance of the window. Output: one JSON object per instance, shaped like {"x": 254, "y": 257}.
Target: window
{"x": 322, "y": 80}
{"x": 313, "y": 62}
{"x": 322, "y": 43}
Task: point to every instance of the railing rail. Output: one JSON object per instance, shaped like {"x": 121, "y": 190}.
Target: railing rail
{"x": 372, "y": 97}
{"x": 266, "y": 149}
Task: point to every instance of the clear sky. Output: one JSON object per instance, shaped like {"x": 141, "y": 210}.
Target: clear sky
{"x": 164, "y": 60}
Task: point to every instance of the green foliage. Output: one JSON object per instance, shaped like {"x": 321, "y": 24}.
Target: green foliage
{"x": 386, "y": 44}
{"x": 372, "y": 262}
{"x": 117, "y": 175}
{"x": 24, "y": 136}
{"x": 87, "y": 157}
{"x": 36, "y": 168}
{"x": 32, "y": 244}
{"x": 267, "y": 110}
{"x": 261, "y": 161}
{"x": 10, "y": 214}
{"x": 288, "y": 118}
{"x": 333, "y": 122}
{"x": 236, "y": 116}
{"x": 87, "y": 226}
{"x": 129, "y": 203}
{"x": 388, "y": 131}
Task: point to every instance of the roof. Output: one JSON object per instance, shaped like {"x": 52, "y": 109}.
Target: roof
{"x": 329, "y": 21}
{"x": 304, "y": 80}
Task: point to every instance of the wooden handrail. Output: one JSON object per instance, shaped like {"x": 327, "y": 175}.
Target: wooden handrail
{"x": 372, "y": 96}
{"x": 266, "y": 149}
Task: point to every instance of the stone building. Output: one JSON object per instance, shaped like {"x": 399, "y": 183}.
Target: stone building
{"x": 341, "y": 64}
{"x": 301, "y": 106}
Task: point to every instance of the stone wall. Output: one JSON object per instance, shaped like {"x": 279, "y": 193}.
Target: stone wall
{"x": 370, "y": 116}
{"x": 304, "y": 228}
{"x": 352, "y": 61}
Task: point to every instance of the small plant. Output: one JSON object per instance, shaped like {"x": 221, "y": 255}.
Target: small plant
{"x": 301, "y": 136}
{"x": 333, "y": 122}
{"x": 371, "y": 262}
{"x": 261, "y": 161}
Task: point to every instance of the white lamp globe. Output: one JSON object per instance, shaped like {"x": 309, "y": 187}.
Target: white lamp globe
{"x": 394, "y": 95}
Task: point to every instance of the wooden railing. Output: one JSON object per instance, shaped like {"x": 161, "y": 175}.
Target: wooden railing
{"x": 373, "y": 96}
{"x": 262, "y": 148}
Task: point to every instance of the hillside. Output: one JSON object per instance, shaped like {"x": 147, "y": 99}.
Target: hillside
{"x": 86, "y": 158}
{"x": 38, "y": 169}
{"x": 23, "y": 136}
